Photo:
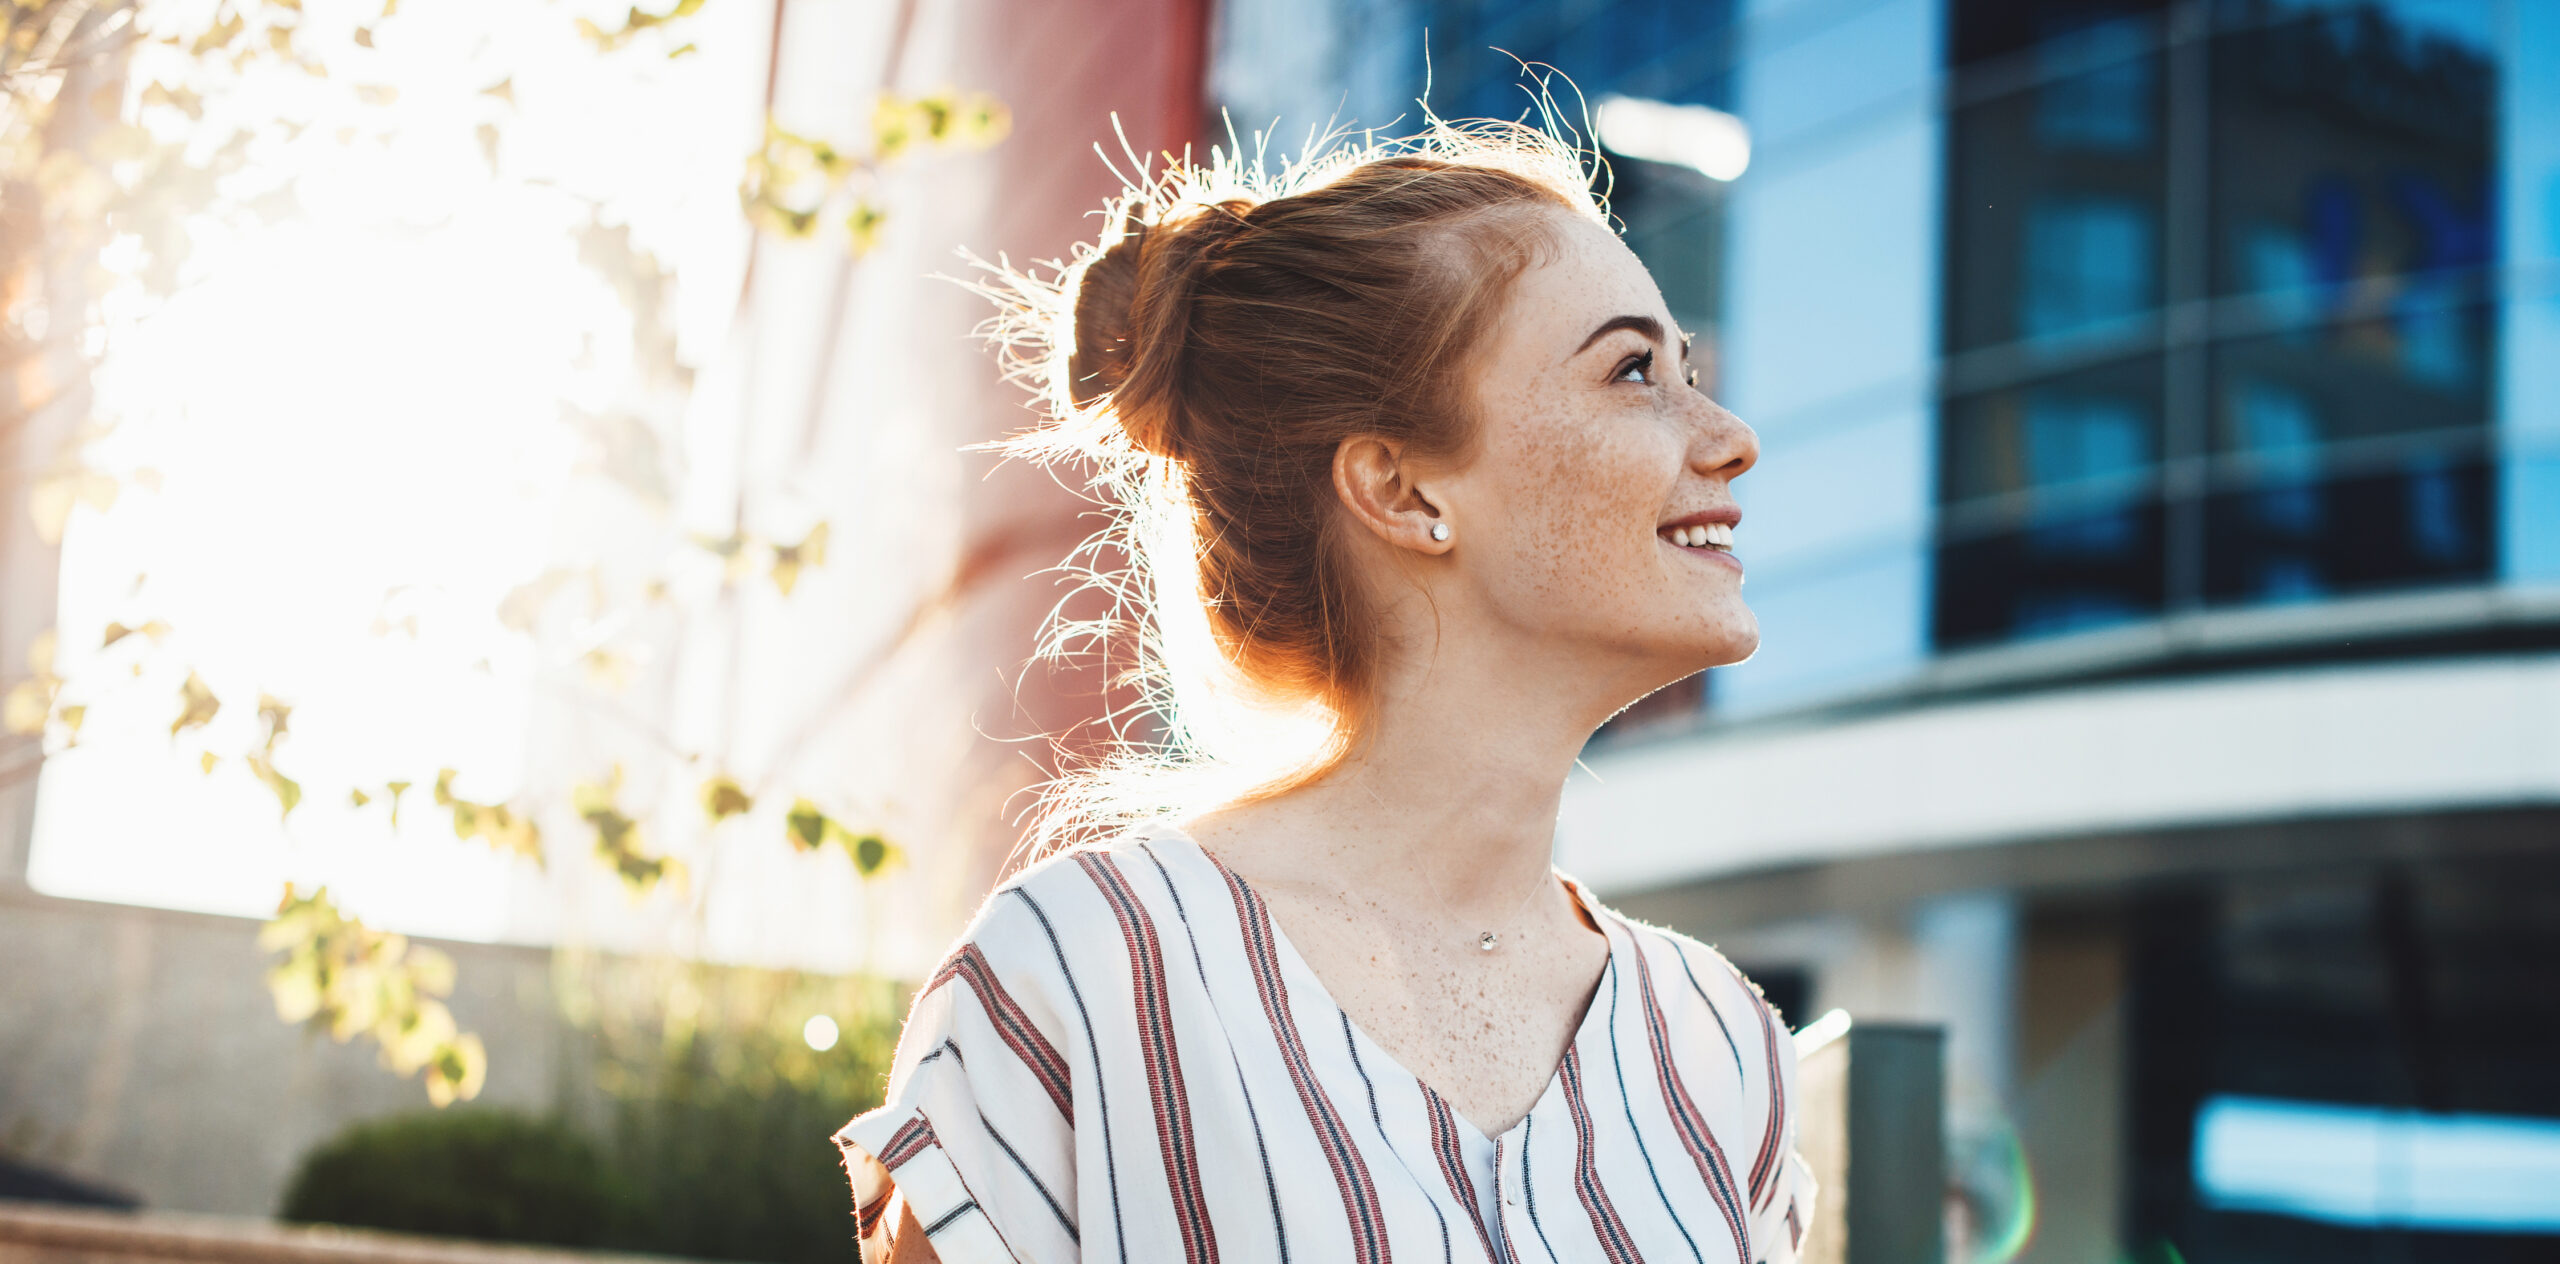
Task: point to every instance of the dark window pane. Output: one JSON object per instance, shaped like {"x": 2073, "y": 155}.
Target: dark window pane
{"x": 2350, "y": 145}
{"x": 2404, "y": 988}
{"x": 2351, "y": 456}
{"x": 2055, "y": 189}
{"x": 1673, "y": 50}
{"x": 1674, "y": 221}
{"x": 2293, "y": 531}
{"x": 1985, "y": 30}
{"x": 2095, "y": 433}
{"x": 2051, "y": 518}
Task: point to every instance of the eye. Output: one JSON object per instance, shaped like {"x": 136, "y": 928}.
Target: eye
{"x": 1636, "y": 368}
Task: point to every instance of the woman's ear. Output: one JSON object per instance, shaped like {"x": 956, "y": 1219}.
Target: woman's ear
{"x": 1376, "y": 481}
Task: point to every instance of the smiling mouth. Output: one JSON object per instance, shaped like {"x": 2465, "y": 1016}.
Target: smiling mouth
{"x": 1711, "y": 537}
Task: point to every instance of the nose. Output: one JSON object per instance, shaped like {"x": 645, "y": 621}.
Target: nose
{"x": 1721, "y": 445}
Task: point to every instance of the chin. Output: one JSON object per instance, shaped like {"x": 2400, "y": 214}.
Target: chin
{"x": 1735, "y": 639}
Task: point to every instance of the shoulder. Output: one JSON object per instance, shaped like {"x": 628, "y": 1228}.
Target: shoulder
{"x": 1687, "y": 973}
{"x": 1069, "y": 904}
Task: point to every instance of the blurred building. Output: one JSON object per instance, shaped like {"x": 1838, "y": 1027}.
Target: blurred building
{"x": 139, "y": 1046}
{"x": 2157, "y": 546}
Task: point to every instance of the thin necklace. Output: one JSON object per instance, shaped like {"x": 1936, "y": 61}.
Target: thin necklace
{"x": 1490, "y": 938}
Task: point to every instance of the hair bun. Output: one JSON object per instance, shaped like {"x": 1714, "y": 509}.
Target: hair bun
{"x": 1133, "y": 317}
{"x": 1105, "y": 316}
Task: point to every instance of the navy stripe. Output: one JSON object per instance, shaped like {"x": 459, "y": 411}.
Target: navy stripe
{"x": 1529, "y": 1189}
{"x": 1279, "y": 1230}
{"x": 1350, "y": 1174}
{"x": 1102, "y": 1100}
{"x": 1453, "y": 1165}
{"x": 1380, "y": 1123}
{"x": 1765, "y": 1167}
{"x": 969, "y": 965}
{"x": 1713, "y": 1169}
{"x": 1615, "y": 1241}
{"x": 1033, "y": 1177}
{"x": 1160, "y": 1050}
{"x": 1738, "y": 1075}
{"x": 949, "y": 1216}
{"x": 1619, "y": 1062}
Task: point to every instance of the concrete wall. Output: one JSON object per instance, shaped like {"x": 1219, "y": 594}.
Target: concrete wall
{"x": 49, "y": 1235}
{"x": 139, "y": 1047}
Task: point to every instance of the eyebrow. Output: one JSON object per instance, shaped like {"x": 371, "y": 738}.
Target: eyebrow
{"x": 1645, "y": 325}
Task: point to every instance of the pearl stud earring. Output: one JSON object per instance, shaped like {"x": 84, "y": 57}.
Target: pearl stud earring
{"x": 1439, "y": 531}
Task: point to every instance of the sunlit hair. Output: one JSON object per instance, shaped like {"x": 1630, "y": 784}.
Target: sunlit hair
{"x": 1200, "y": 364}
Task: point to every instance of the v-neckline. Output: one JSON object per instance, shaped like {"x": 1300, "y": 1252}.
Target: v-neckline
{"x": 1292, "y": 962}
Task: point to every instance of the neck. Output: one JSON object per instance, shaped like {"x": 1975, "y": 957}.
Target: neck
{"x": 1452, "y": 792}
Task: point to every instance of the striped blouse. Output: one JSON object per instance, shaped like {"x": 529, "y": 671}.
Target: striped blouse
{"x": 1125, "y": 1060}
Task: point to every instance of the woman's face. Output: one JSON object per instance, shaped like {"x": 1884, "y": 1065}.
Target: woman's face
{"x": 1595, "y": 517}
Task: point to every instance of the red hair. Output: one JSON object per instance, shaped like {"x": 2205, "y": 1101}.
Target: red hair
{"x": 1211, "y": 353}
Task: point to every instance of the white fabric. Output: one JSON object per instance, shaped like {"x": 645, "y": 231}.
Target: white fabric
{"x": 1123, "y": 1060}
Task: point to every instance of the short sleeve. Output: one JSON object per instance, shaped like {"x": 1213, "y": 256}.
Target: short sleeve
{"x": 977, "y": 1133}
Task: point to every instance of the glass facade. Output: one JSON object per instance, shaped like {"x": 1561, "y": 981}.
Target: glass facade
{"x": 2414, "y": 995}
{"x": 1663, "y": 50}
{"x": 2221, "y": 323}
{"x": 2165, "y": 317}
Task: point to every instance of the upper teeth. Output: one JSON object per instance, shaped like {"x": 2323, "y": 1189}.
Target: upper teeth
{"x": 1715, "y": 533}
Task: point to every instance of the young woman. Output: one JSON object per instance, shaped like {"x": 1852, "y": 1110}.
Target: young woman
{"x": 1418, "y": 490}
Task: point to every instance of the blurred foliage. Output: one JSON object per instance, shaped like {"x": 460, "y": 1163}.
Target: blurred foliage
{"x": 711, "y": 1143}
{"x": 800, "y": 186}
{"x": 718, "y": 1112}
{"x": 492, "y": 1175}
{"x": 809, "y": 829}
{"x": 122, "y": 124}
{"x": 633, "y": 23}
{"x": 347, "y": 979}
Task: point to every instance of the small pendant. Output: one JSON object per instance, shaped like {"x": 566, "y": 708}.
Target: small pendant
{"x": 1487, "y": 941}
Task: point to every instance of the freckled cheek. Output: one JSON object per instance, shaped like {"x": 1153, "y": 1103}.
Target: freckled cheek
{"x": 1586, "y": 512}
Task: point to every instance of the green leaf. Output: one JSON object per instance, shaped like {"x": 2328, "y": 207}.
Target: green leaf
{"x": 723, "y": 798}
{"x": 288, "y": 792}
{"x": 196, "y": 705}
{"x": 618, "y": 836}
{"x": 274, "y": 714}
{"x": 789, "y": 558}
{"x": 872, "y": 854}
{"x": 863, "y": 227}
{"x": 806, "y": 825}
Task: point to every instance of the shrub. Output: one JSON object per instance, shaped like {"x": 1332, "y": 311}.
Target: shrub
{"x": 488, "y": 1174}
{"x": 712, "y": 1123}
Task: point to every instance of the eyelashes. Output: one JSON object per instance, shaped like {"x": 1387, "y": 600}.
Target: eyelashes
{"x": 1642, "y": 364}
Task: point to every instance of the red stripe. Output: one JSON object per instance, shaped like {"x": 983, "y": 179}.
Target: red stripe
{"x": 1359, "y": 1197}
{"x": 1795, "y": 1228}
{"x": 1453, "y": 1165}
{"x": 1764, "y": 1169}
{"x": 1156, "y": 1042}
{"x": 1615, "y": 1241}
{"x": 1686, "y": 1120}
{"x": 1014, "y": 1026}
{"x": 911, "y": 1139}
{"x": 866, "y": 1219}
